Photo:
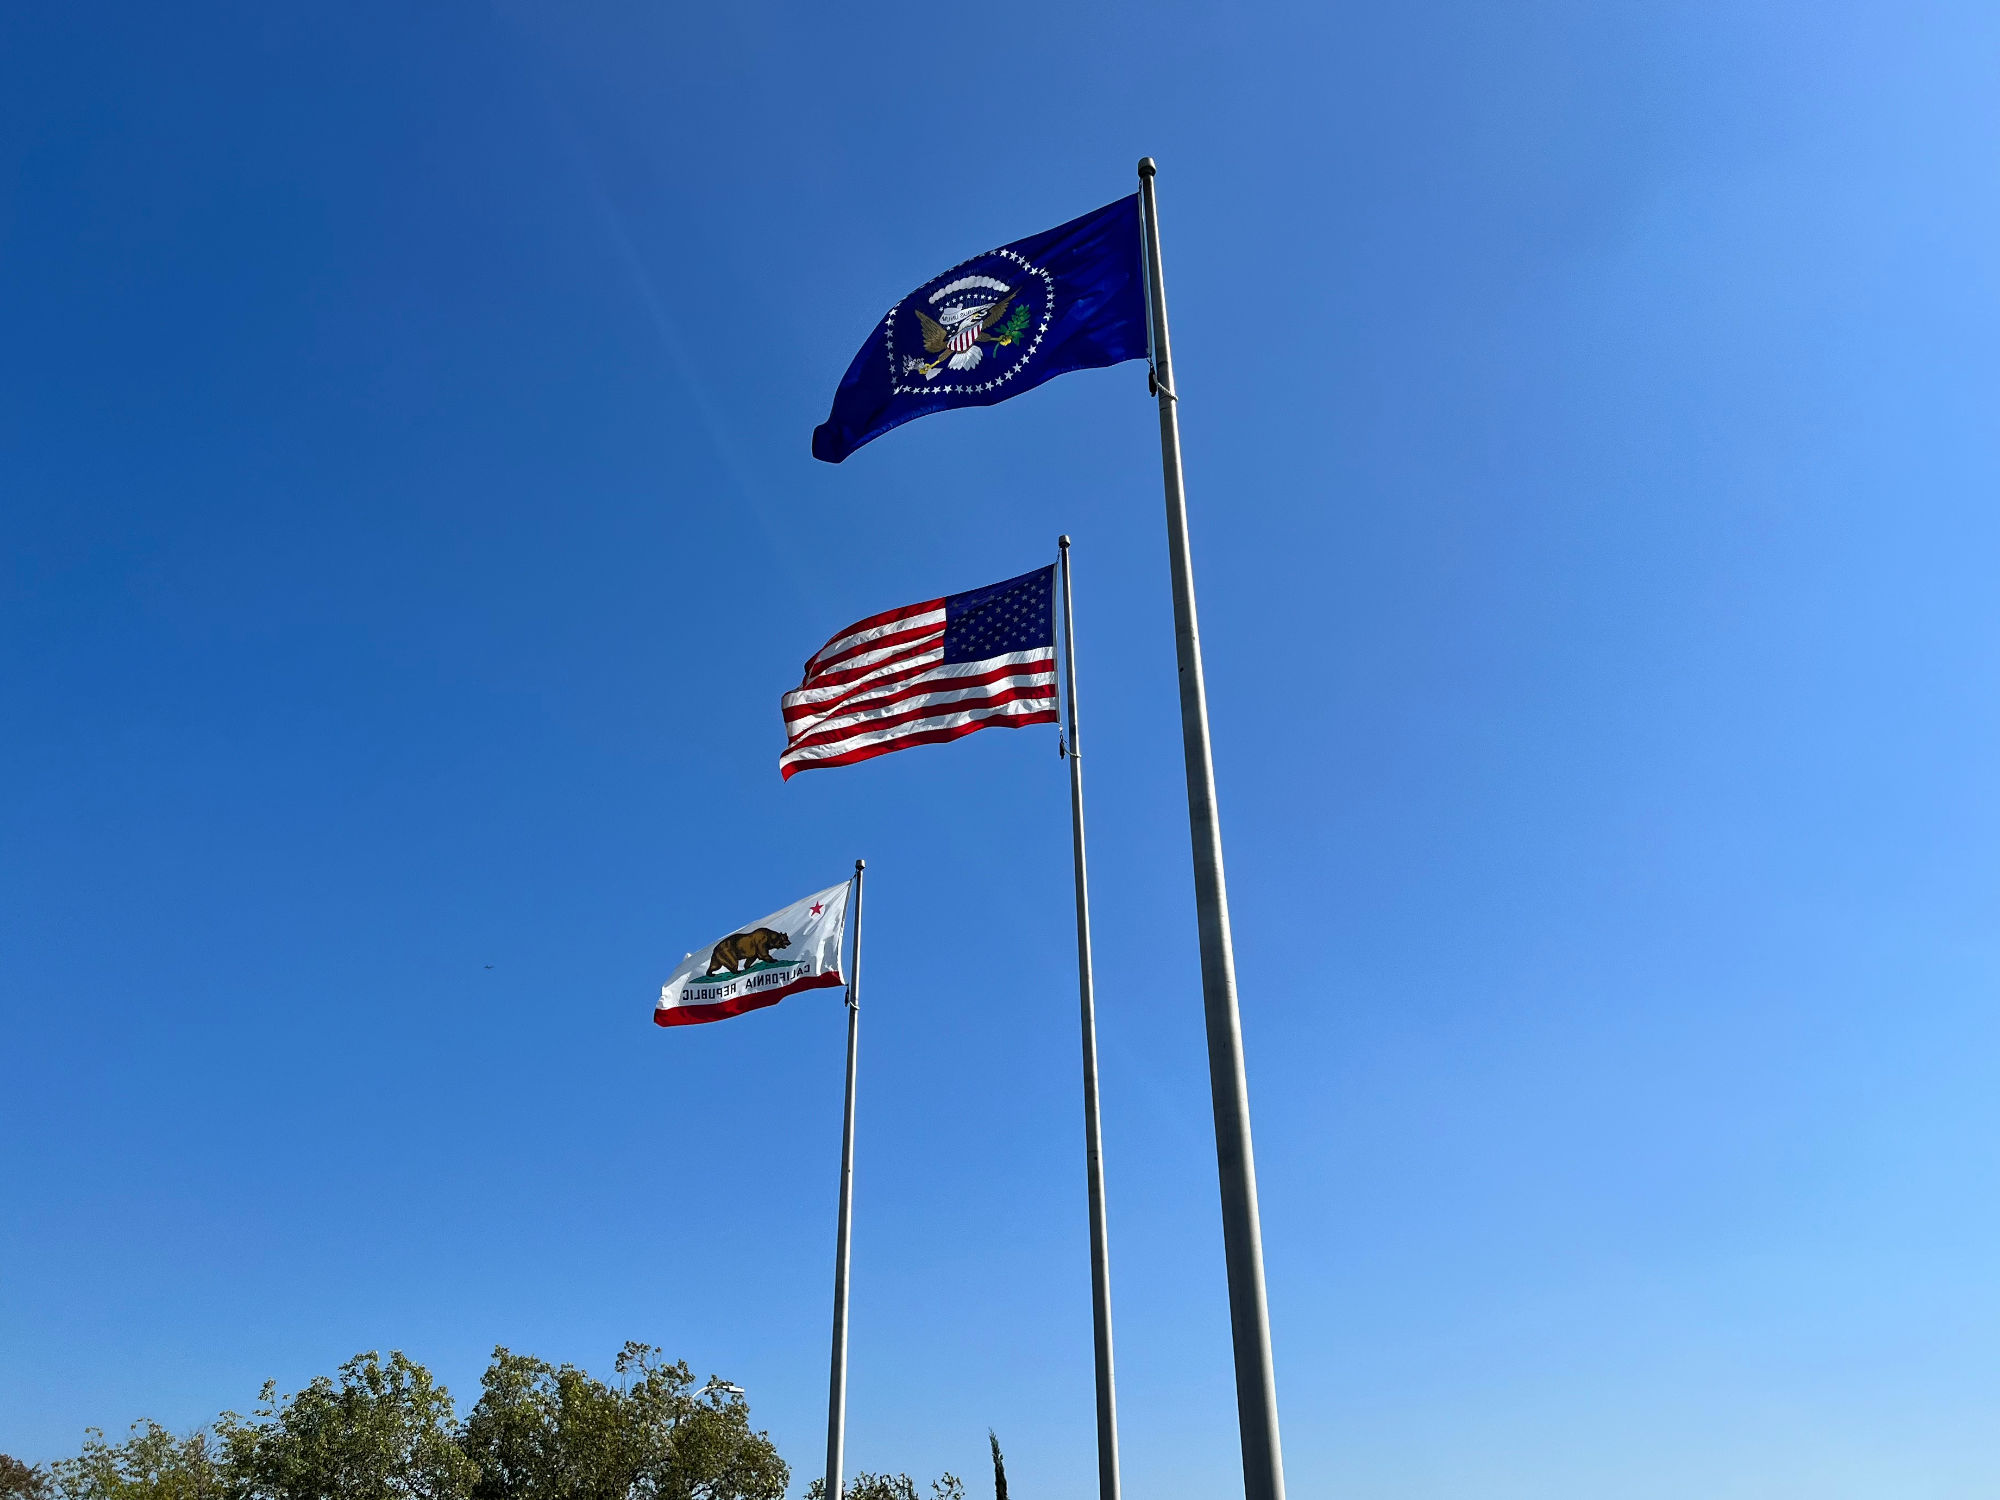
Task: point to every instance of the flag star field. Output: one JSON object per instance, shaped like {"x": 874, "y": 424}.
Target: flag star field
{"x": 1017, "y": 615}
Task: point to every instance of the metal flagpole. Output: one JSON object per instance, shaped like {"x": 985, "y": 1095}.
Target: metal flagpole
{"x": 836, "y": 1400}
{"x": 1242, "y": 1239}
{"x": 1100, "y": 1248}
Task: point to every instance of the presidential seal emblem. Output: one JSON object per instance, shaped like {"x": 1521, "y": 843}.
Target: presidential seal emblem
{"x": 972, "y": 329}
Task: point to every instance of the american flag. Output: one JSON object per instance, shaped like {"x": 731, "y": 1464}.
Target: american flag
{"x": 926, "y": 673}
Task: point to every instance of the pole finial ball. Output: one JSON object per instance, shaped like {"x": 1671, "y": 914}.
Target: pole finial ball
{"x": 1146, "y": 167}
{"x": 1062, "y": 541}
{"x": 861, "y": 864}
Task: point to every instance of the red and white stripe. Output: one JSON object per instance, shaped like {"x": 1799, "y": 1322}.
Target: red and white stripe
{"x": 882, "y": 685}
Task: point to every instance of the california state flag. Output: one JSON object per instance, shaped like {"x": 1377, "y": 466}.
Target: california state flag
{"x": 795, "y": 949}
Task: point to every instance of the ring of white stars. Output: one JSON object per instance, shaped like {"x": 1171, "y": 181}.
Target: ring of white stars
{"x": 976, "y": 388}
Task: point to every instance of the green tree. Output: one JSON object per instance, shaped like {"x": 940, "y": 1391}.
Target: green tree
{"x": 384, "y": 1430}
{"x": 552, "y": 1432}
{"x": 19, "y": 1481}
{"x": 542, "y": 1432}
{"x": 151, "y": 1464}
{"x": 866, "y": 1486}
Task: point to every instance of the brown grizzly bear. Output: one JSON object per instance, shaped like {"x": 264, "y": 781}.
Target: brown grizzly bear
{"x": 752, "y": 947}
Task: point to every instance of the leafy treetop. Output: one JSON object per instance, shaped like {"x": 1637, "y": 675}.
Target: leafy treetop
{"x": 384, "y": 1429}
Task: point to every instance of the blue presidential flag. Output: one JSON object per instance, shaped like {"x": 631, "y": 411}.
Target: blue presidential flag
{"x": 995, "y": 326}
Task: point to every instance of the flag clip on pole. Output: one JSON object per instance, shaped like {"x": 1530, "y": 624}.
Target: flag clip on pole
{"x": 836, "y": 1400}
{"x": 1100, "y": 1249}
{"x": 1242, "y": 1238}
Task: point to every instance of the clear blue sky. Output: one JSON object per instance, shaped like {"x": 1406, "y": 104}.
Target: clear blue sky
{"x": 409, "y": 527}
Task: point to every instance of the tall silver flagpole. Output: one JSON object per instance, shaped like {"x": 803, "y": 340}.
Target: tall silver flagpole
{"x": 836, "y": 1400}
{"x": 1093, "y": 1141}
{"x": 1242, "y": 1239}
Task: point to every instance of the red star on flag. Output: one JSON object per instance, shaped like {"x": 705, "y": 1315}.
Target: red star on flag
{"x": 818, "y": 907}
